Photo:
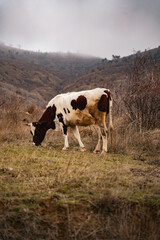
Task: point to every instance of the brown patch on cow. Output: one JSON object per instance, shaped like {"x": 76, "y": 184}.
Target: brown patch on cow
{"x": 49, "y": 114}
{"x": 81, "y": 102}
{"x": 103, "y": 103}
{"x": 46, "y": 122}
{"x": 109, "y": 99}
{"x": 74, "y": 104}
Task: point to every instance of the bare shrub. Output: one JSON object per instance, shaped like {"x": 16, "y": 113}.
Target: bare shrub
{"x": 30, "y": 109}
{"x": 127, "y": 140}
{"x": 137, "y": 108}
{"x": 142, "y": 97}
{"x": 14, "y": 112}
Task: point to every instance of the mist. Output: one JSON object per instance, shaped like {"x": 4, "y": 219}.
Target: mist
{"x": 94, "y": 27}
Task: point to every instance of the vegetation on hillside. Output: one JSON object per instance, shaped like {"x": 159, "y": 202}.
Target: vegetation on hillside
{"x": 31, "y": 74}
{"x": 142, "y": 94}
{"x": 46, "y": 193}
{"x": 65, "y": 65}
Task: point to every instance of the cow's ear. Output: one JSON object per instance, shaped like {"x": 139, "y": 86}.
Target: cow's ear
{"x": 53, "y": 126}
{"x": 43, "y": 124}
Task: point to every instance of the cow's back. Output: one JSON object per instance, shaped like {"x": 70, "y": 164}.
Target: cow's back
{"x": 79, "y": 108}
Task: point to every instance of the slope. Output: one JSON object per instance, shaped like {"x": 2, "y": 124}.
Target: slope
{"x": 32, "y": 82}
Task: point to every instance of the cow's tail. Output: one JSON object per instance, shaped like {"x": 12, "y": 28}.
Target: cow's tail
{"x": 110, "y": 105}
{"x": 111, "y": 122}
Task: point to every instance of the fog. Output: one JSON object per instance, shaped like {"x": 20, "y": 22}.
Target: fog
{"x": 93, "y": 27}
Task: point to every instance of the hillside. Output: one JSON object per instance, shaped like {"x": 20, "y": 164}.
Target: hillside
{"x": 32, "y": 82}
{"x": 111, "y": 74}
{"x": 37, "y": 77}
{"x": 47, "y": 193}
{"x": 67, "y": 65}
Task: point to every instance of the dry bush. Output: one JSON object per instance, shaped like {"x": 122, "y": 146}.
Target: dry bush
{"x": 14, "y": 113}
{"x": 142, "y": 97}
{"x": 127, "y": 140}
{"x": 137, "y": 109}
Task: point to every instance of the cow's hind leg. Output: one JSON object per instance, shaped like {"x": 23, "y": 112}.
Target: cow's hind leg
{"x": 104, "y": 131}
{"x": 98, "y": 146}
{"x": 104, "y": 139}
{"x": 77, "y": 136}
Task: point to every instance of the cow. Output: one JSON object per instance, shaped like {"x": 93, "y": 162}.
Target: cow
{"x": 73, "y": 109}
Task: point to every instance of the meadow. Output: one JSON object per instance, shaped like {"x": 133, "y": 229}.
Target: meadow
{"x": 47, "y": 193}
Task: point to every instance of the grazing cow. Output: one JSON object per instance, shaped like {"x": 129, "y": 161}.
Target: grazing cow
{"x": 74, "y": 109}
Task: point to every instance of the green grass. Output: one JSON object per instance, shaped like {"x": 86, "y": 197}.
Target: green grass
{"x": 36, "y": 173}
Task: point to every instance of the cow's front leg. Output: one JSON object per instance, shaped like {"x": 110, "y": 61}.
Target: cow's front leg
{"x": 77, "y": 136}
{"x": 66, "y": 144}
{"x": 64, "y": 131}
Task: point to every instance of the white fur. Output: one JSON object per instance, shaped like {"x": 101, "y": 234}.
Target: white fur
{"x": 32, "y": 129}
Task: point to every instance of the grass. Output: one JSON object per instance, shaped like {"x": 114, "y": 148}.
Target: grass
{"x": 29, "y": 172}
{"x": 47, "y": 193}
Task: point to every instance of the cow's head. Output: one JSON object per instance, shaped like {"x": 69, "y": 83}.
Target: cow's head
{"x": 39, "y": 129}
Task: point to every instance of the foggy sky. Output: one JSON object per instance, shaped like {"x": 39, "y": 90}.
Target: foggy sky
{"x": 94, "y": 27}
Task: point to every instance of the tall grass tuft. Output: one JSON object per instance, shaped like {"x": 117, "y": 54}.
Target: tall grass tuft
{"x": 14, "y": 113}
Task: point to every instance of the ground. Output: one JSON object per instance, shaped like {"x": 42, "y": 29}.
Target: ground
{"x": 68, "y": 195}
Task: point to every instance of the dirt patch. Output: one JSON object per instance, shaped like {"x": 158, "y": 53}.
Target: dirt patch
{"x": 107, "y": 218}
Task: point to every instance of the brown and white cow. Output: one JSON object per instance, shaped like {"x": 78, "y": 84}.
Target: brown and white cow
{"x": 75, "y": 109}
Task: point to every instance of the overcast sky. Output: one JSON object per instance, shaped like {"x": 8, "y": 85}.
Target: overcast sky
{"x": 94, "y": 27}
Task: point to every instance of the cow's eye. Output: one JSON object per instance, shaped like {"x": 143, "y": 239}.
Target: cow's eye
{"x": 31, "y": 132}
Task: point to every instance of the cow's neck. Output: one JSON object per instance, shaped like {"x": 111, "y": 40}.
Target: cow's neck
{"x": 48, "y": 115}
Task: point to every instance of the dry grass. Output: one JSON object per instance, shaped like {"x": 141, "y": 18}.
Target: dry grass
{"x": 40, "y": 172}
{"x": 46, "y": 193}
{"x": 127, "y": 140}
{"x": 14, "y": 113}
{"x": 74, "y": 194}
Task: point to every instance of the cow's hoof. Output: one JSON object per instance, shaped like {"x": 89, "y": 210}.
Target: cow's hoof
{"x": 83, "y": 149}
{"x": 96, "y": 151}
{"x": 103, "y": 152}
{"x": 65, "y": 148}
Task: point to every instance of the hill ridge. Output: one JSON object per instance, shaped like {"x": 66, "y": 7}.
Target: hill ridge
{"x": 38, "y": 77}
